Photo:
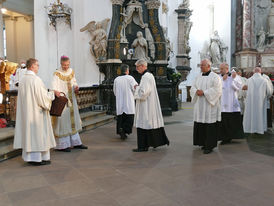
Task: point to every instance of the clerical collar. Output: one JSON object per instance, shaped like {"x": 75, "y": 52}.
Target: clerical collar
{"x": 30, "y": 72}
{"x": 228, "y": 74}
{"x": 144, "y": 72}
{"x": 206, "y": 74}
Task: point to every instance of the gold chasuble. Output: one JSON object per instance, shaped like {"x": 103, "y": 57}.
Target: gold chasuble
{"x": 69, "y": 123}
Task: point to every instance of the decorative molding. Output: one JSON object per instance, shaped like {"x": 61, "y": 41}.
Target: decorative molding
{"x": 153, "y": 4}
{"x": 28, "y": 18}
{"x": 118, "y": 2}
{"x": 165, "y": 8}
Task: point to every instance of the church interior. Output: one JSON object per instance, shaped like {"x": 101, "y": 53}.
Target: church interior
{"x": 173, "y": 37}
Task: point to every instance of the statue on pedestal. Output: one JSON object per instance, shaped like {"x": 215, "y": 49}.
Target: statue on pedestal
{"x": 98, "y": 42}
{"x": 150, "y": 41}
{"x": 217, "y": 49}
{"x": 141, "y": 47}
{"x": 133, "y": 12}
{"x": 261, "y": 40}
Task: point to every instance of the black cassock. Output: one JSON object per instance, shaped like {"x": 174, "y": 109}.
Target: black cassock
{"x": 206, "y": 134}
{"x": 124, "y": 122}
{"x": 231, "y": 126}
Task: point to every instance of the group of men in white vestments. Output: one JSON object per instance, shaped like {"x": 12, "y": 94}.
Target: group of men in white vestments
{"x": 227, "y": 105}
{"x": 148, "y": 118}
{"x": 35, "y": 132}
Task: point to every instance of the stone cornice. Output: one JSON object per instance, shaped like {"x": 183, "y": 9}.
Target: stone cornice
{"x": 117, "y": 2}
{"x": 153, "y": 4}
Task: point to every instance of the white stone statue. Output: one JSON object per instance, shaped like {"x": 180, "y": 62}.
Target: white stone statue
{"x": 140, "y": 47}
{"x": 261, "y": 40}
{"x": 217, "y": 49}
{"x": 133, "y": 12}
{"x": 150, "y": 41}
{"x": 98, "y": 42}
{"x": 185, "y": 4}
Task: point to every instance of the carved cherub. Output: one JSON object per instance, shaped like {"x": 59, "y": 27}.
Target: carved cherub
{"x": 98, "y": 42}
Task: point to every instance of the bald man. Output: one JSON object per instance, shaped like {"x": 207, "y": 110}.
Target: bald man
{"x": 206, "y": 95}
{"x": 255, "y": 115}
{"x": 231, "y": 124}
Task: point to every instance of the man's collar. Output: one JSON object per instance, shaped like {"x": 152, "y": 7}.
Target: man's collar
{"x": 228, "y": 74}
{"x": 206, "y": 73}
{"x": 144, "y": 72}
{"x": 30, "y": 72}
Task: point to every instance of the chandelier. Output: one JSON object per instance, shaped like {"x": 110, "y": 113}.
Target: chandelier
{"x": 59, "y": 11}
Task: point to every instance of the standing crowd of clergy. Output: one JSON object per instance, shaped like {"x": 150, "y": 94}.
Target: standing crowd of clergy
{"x": 227, "y": 105}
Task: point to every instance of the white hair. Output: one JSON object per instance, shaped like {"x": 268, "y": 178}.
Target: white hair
{"x": 207, "y": 61}
{"x": 257, "y": 70}
{"x": 141, "y": 62}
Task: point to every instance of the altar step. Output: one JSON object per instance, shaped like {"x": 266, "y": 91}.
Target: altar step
{"x": 94, "y": 119}
{"x": 90, "y": 120}
{"x": 6, "y": 144}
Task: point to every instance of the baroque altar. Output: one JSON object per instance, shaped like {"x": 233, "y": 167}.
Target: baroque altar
{"x": 135, "y": 33}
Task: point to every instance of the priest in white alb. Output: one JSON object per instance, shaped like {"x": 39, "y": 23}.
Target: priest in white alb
{"x": 255, "y": 116}
{"x": 269, "y": 112}
{"x": 206, "y": 94}
{"x": 231, "y": 124}
{"x": 33, "y": 130}
{"x": 123, "y": 89}
{"x": 66, "y": 128}
{"x": 148, "y": 117}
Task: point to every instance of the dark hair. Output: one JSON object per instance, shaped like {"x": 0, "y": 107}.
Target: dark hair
{"x": 64, "y": 58}
{"x": 30, "y": 62}
{"x": 124, "y": 68}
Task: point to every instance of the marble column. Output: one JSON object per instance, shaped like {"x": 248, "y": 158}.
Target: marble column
{"x": 247, "y": 24}
{"x": 1, "y": 29}
{"x": 184, "y": 27}
{"x": 114, "y": 33}
{"x": 239, "y": 25}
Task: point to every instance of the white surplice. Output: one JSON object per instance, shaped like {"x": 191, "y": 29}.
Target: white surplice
{"x": 270, "y": 87}
{"x": 123, "y": 89}
{"x": 255, "y": 115}
{"x": 207, "y": 108}
{"x": 20, "y": 72}
{"x": 242, "y": 95}
{"x": 33, "y": 130}
{"x": 229, "y": 100}
{"x": 69, "y": 123}
{"x": 148, "y": 113}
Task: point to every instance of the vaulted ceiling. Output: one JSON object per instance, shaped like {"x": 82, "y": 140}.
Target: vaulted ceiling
{"x": 21, "y": 6}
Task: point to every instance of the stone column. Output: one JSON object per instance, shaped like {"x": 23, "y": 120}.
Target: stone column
{"x": 247, "y": 24}
{"x": 157, "y": 31}
{"x": 184, "y": 27}
{"x": 1, "y": 29}
{"x": 239, "y": 25}
{"x": 115, "y": 30}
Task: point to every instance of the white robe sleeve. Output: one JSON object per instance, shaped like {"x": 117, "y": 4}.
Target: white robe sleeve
{"x": 54, "y": 83}
{"x": 213, "y": 93}
{"x": 43, "y": 97}
{"x": 114, "y": 87}
{"x": 144, "y": 90}
{"x": 193, "y": 91}
{"x": 133, "y": 83}
{"x": 236, "y": 83}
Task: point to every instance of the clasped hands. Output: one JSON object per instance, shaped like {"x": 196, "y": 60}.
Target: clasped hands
{"x": 200, "y": 93}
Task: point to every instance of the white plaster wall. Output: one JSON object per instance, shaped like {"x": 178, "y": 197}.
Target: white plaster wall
{"x": 203, "y": 27}
{"x": 50, "y": 45}
{"x": 20, "y": 39}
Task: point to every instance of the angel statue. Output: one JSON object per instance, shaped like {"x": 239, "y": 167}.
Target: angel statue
{"x": 98, "y": 42}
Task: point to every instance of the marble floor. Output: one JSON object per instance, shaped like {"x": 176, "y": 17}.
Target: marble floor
{"x": 109, "y": 174}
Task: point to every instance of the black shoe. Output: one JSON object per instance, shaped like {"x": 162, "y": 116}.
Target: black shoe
{"x": 225, "y": 142}
{"x": 35, "y": 163}
{"x": 207, "y": 151}
{"x": 46, "y": 162}
{"x": 64, "y": 150}
{"x": 122, "y": 134}
{"x": 140, "y": 150}
{"x": 80, "y": 147}
{"x": 203, "y": 148}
